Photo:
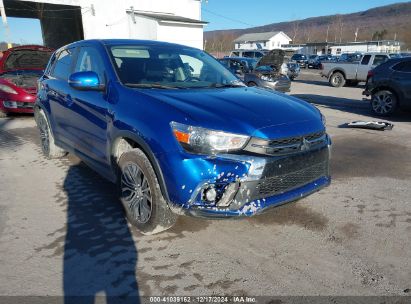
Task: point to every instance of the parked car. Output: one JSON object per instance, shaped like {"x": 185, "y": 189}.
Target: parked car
{"x": 178, "y": 131}
{"x": 315, "y": 62}
{"x": 293, "y": 70}
{"x": 271, "y": 73}
{"x": 351, "y": 73}
{"x": 239, "y": 65}
{"x": 248, "y": 53}
{"x": 389, "y": 86}
{"x": 400, "y": 55}
{"x": 20, "y": 68}
{"x": 300, "y": 59}
{"x": 268, "y": 77}
{"x": 350, "y": 57}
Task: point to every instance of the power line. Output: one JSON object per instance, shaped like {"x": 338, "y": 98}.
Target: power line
{"x": 228, "y": 18}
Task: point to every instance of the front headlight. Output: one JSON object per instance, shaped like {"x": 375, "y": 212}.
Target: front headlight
{"x": 205, "y": 141}
{"x": 7, "y": 89}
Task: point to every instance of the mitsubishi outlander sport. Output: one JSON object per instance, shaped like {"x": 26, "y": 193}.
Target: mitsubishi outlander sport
{"x": 178, "y": 132}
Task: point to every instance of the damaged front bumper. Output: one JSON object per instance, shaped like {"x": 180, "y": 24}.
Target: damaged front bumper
{"x": 245, "y": 185}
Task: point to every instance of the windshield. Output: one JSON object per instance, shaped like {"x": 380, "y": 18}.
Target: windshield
{"x": 169, "y": 67}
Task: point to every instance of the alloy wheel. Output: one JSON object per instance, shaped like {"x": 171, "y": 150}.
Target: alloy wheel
{"x": 44, "y": 135}
{"x": 136, "y": 193}
{"x": 382, "y": 103}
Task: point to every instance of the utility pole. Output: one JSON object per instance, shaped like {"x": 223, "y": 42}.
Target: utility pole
{"x": 328, "y": 30}
{"x": 6, "y": 25}
{"x": 356, "y": 34}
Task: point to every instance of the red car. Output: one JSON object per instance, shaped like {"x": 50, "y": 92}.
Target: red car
{"x": 20, "y": 67}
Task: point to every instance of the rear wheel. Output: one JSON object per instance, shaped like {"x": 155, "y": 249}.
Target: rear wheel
{"x": 337, "y": 80}
{"x": 384, "y": 103}
{"x": 141, "y": 195}
{"x": 49, "y": 148}
{"x": 252, "y": 84}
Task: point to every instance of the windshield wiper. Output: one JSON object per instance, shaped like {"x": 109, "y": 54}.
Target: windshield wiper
{"x": 227, "y": 85}
{"x": 149, "y": 86}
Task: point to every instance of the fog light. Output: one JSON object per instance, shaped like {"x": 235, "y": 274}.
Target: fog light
{"x": 210, "y": 194}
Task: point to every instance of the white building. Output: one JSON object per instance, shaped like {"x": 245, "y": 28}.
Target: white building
{"x": 268, "y": 41}
{"x": 64, "y": 21}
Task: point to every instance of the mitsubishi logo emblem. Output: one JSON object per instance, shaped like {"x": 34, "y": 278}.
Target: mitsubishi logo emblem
{"x": 306, "y": 145}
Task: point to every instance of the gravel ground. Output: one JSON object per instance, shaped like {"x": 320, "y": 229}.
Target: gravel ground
{"x": 62, "y": 230}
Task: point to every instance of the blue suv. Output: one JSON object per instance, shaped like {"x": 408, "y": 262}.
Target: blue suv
{"x": 178, "y": 132}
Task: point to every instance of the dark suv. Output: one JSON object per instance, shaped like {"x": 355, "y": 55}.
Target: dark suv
{"x": 389, "y": 86}
{"x": 178, "y": 131}
{"x": 301, "y": 59}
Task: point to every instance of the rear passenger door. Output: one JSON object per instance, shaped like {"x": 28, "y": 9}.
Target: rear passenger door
{"x": 362, "y": 69}
{"x": 58, "y": 94}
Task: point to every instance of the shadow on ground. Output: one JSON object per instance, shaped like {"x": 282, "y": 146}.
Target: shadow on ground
{"x": 100, "y": 255}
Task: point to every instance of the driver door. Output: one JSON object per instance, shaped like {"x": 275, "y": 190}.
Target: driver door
{"x": 90, "y": 110}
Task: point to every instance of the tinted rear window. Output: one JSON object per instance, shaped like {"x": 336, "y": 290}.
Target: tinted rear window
{"x": 404, "y": 66}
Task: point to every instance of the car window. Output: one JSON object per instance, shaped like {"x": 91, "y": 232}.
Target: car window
{"x": 366, "y": 60}
{"x": 62, "y": 67}
{"x": 404, "y": 66}
{"x": 235, "y": 54}
{"x": 89, "y": 60}
{"x": 378, "y": 59}
{"x": 248, "y": 54}
{"x": 168, "y": 66}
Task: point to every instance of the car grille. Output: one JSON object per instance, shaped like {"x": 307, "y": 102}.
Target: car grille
{"x": 288, "y": 145}
{"x": 279, "y": 184}
{"x": 284, "y": 174}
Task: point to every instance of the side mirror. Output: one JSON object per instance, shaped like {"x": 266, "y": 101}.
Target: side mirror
{"x": 85, "y": 81}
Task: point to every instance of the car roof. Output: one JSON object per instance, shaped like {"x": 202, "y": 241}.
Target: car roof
{"x": 113, "y": 42}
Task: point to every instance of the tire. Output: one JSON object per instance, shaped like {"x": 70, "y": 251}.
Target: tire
{"x": 141, "y": 195}
{"x": 3, "y": 114}
{"x": 49, "y": 148}
{"x": 384, "y": 103}
{"x": 252, "y": 84}
{"x": 337, "y": 80}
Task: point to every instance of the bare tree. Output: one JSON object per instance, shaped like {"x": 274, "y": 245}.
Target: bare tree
{"x": 296, "y": 27}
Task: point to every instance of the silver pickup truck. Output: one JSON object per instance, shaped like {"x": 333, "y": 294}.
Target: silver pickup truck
{"x": 340, "y": 74}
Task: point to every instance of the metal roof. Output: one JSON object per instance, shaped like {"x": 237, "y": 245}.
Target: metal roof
{"x": 168, "y": 18}
{"x": 257, "y": 36}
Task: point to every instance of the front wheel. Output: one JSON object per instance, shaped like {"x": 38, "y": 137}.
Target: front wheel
{"x": 384, "y": 103}
{"x": 252, "y": 84}
{"x": 141, "y": 195}
{"x": 3, "y": 114}
{"x": 337, "y": 80}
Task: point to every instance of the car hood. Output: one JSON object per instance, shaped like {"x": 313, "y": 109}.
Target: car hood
{"x": 26, "y": 59}
{"x": 250, "y": 111}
